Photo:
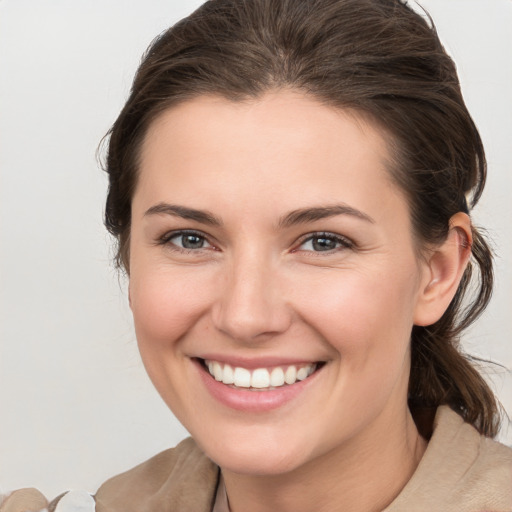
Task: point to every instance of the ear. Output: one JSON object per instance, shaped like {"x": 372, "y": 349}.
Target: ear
{"x": 443, "y": 271}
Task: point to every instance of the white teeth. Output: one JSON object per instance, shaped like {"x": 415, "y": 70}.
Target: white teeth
{"x": 217, "y": 371}
{"x": 290, "y": 375}
{"x": 259, "y": 378}
{"x": 302, "y": 373}
{"x": 228, "y": 376}
{"x": 277, "y": 377}
{"x": 242, "y": 378}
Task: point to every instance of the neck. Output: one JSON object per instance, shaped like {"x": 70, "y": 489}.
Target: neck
{"x": 364, "y": 476}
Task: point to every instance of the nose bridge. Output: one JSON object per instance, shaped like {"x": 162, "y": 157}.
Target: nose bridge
{"x": 250, "y": 303}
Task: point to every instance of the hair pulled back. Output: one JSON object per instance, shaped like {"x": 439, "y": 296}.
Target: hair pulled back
{"x": 377, "y": 57}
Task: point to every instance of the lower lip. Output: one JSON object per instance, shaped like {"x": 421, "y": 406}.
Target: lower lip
{"x": 253, "y": 401}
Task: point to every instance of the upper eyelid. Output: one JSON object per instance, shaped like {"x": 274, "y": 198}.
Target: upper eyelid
{"x": 327, "y": 234}
{"x": 177, "y": 232}
{"x": 167, "y": 236}
{"x": 346, "y": 243}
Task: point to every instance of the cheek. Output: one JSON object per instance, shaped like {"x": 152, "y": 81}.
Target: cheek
{"x": 166, "y": 304}
{"x": 364, "y": 311}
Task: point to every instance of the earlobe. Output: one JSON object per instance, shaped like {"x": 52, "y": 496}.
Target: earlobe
{"x": 443, "y": 271}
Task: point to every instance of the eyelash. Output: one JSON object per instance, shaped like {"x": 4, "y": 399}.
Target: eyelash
{"x": 166, "y": 240}
{"x": 341, "y": 241}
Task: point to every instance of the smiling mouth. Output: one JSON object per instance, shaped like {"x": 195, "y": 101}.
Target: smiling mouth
{"x": 259, "y": 379}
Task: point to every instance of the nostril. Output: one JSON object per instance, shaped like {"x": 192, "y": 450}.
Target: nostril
{"x": 258, "y": 324}
{"x": 250, "y": 307}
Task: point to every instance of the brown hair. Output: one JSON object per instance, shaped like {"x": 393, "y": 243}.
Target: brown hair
{"x": 375, "y": 56}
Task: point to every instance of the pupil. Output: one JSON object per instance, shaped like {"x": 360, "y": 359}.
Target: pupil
{"x": 192, "y": 241}
{"x": 323, "y": 244}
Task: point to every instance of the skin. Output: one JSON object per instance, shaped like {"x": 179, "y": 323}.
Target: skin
{"x": 259, "y": 288}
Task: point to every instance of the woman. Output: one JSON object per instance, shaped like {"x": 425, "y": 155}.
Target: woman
{"x": 290, "y": 187}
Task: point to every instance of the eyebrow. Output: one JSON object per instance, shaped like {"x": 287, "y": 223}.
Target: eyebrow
{"x": 202, "y": 216}
{"x": 300, "y": 216}
{"x": 305, "y": 215}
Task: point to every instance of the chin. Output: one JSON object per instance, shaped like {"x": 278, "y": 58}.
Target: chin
{"x": 255, "y": 455}
{"x": 257, "y": 462}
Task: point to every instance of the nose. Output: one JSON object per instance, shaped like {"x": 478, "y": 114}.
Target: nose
{"x": 251, "y": 304}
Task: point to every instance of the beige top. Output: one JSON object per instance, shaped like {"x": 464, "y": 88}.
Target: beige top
{"x": 461, "y": 471}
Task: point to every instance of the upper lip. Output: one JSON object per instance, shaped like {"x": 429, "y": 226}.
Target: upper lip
{"x": 257, "y": 362}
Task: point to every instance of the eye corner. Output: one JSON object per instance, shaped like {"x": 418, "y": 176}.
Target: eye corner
{"x": 176, "y": 240}
{"x": 338, "y": 242}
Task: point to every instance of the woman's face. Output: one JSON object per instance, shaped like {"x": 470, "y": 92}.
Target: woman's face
{"x": 269, "y": 241}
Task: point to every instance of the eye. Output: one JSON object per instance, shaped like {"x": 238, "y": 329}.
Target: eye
{"x": 186, "y": 240}
{"x": 324, "y": 242}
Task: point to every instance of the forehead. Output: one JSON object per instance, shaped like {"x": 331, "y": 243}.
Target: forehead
{"x": 284, "y": 146}
{"x": 277, "y": 116}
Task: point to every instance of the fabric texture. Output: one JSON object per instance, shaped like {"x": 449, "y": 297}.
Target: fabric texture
{"x": 24, "y": 500}
{"x": 461, "y": 471}
{"x": 179, "y": 479}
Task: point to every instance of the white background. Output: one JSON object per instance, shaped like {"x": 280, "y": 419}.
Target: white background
{"x": 75, "y": 404}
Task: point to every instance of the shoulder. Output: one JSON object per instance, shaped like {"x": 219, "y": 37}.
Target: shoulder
{"x": 486, "y": 463}
{"x": 30, "y": 499}
{"x": 177, "y": 479}
{"x": 181, "y": 478}
{"x": 461, "y": 471}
